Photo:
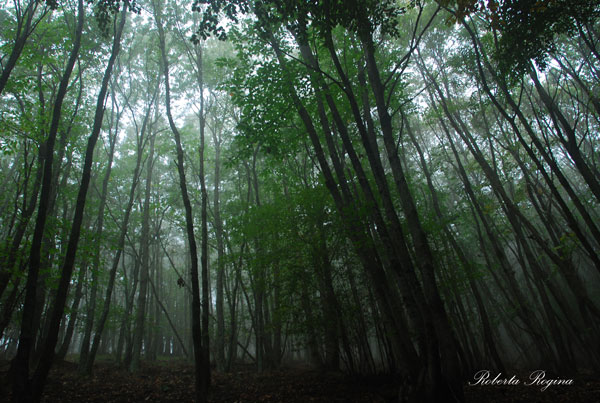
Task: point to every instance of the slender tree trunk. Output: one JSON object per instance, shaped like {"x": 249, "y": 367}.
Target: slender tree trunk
{"x": 200, "y": 360}
{"x": 570, "y": 142}
{"x": 487, "y": 330}
{"x": 48, "y": 351}
{"x": 24, "y": 30}
{"x": 366, "y": 354}
{"x": 140, "y": 319}
{"x": 546, "y": 155}
{"x": 27, "y": 211}
{"x": 365, "y": 249}
{"x": 391, "y": 235}
{"x": 64, "y": 348}
{"x": 129, "y": 310}
{"x": 328, "y": 299}
{"x": 204, "y": 223}
{"x": 218, "y": 224}
{"x": 86, "y": 367}
{"x": 91, "y": 308}
{"x": 162, "y": 307}
{"x": 446, "y": 343}
{"x": 22, "y": 391}
{"x": 311, "y": 337}
{"x": 512, "y": 288}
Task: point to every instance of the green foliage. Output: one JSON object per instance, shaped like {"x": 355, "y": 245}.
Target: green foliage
{"x": 280, "y": 224}
{"x": 106, "y": 10}
{"x": 354, "y": 14}
{"x": 266, "y": 117}
{"x": 212, "y": 11}
{"x": 528, "y": 29}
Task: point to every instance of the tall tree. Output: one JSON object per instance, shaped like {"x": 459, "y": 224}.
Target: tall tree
{"x": 20, "y": 364}
{"x": 200, "y": 360}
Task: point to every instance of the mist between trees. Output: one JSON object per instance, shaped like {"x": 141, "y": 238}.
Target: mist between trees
{"x": 365, "y": 186}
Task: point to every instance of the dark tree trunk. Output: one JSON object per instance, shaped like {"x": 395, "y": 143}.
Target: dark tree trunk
{"x": 48, "y": 351}
{"x": 91, "y": 308}
{"x": 140, "y": 319}
{"x": 200, "y": 360}
{"x": 24, "y": 30}
{"x": 22, "y": 392}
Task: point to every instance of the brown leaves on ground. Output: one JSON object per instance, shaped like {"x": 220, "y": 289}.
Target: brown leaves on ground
{"x": 173, "y": 381}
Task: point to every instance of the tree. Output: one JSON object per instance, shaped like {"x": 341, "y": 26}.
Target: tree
{"x": 200, "y": 360}
{"x": 375, "y": 187}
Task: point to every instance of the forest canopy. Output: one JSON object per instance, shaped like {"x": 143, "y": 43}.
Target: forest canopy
{"x": 388, "y": 188}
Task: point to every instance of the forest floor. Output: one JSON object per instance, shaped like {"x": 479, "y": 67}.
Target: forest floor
{"x": 172, "y": 381}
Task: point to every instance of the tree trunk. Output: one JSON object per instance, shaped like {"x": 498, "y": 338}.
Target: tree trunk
{"x": 138, "y": 334}
{"x": 24, "y": 30}
{"x": 48, "y": 351}
{"x": 204, "y": 223}
{"x": 200, "y": 361}
{"x": 218, "y": 225}
{"x": 86, "y": 367}
{"x": 19, "y": 370}
{"x": 91, "y": 308}
{"x": 64, "y": 348}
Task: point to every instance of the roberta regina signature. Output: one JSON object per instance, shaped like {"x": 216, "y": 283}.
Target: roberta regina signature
{"x": 535, "y": 378}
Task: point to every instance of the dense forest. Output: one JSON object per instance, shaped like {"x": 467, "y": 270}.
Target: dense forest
{"x": 405, "y": 190}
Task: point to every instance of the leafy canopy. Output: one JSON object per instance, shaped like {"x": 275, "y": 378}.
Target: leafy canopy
{"x": 528, "y": 28}
{"x": 352, "y": 14}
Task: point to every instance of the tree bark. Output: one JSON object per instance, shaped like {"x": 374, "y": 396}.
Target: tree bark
{"x": 140, "y": 318}
{"x": 48, "y": 351}
{"x": 200, "y": 361}
{"x": 91, "y": 308}
{"x": 25, "y": 27}
{"x": 20, "y": 365}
